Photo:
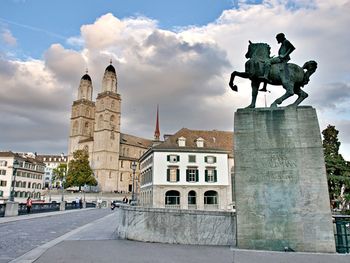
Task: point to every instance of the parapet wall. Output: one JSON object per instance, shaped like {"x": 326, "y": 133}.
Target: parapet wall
{"x": 176, "y": 226}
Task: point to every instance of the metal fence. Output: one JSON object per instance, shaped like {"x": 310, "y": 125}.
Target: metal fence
{"x": 342, "y": 233}
{"x": 38, "y": 208}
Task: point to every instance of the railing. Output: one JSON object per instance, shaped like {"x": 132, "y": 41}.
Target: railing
{"x": 90, "y": 205}
{"x": 2, "y": 210}
{"x": 73, "y": 205}
{"x": 342, "y": 233}
{"x": 192, "y": 207}
{"x": 38, "y": 208}
{"x": 172, "y": 206}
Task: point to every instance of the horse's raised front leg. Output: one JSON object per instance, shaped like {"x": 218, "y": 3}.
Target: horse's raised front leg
{"x": 232, "y": 78}
{"x": 255, "y": 90}
{"x": 289, "y": 92}
{"x": 302, "y": 95}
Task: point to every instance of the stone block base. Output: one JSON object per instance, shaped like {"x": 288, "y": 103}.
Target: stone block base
{"x": 281, "y": 188}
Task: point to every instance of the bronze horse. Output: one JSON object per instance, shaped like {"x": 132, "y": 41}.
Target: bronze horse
{"x": 289, "y": 75}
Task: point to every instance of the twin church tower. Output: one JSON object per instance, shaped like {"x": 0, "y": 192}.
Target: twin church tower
{"x": 95, "y": 126}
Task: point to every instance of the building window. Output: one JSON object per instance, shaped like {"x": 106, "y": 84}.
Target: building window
{"x": 172, "y": 198}
{"x": 181, "y": 141}
{"x": 2, "y": 172}
{"x": 3, "y": 183}
{"x": 173, "y": 174}
{"x": 192, "y": 175}
{"x": 211, "y": 175}
{"x": 192, "y": 198}
{"x": 210, "y": 159}
{"x": 1, "y": 193}
{"x": 3, "y": 163}
{"x": 173, "y": 158}
{"x": 210, "y": 198}
{"x": 191, "y": 158}
{"x": 200, "y": 142}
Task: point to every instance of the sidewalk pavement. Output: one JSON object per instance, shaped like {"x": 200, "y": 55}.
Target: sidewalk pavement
{"x": 96, "y": 242}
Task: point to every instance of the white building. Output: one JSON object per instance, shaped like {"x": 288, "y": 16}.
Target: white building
{"x": 190, "y": 170}
{"x": 28, "y": 180}
{"x": 51, "y": 163}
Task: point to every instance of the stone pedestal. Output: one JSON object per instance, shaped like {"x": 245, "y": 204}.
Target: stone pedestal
{"x": 281, "y": 188}
{"x": 11, "y": 208}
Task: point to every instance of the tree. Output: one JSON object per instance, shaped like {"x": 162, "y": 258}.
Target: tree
{"x": 79, "y": 170}
{"x": 338, "y": 170}
{"x": 59, "y": 173}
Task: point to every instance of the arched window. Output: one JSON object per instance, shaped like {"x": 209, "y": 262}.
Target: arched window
{"x": 172, "y": 199}
{"x": 75, "y": 128}
{"x": 211, "y": 200}
{"x": 86, "y": 129}
{"x": 100, "y": 121}
{"x": 192, "y": 198}
{"x": 112, "y": 119}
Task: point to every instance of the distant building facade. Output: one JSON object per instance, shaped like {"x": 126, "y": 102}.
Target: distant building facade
{"x": 95, "y": 126}
{"x": 190, "y": 170}
{"x": 28, "y": 181}
{"x": 51, "y": 163}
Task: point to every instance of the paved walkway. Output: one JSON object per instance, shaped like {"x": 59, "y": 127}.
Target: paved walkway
{"x": 96, "y": 242}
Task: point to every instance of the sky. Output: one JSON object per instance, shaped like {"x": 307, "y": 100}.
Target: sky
{"x": 175, "y": 54}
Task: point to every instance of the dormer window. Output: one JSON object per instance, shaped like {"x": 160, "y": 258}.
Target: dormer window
{"x": 181, "y": 142}
{"x": 200, "y": 142}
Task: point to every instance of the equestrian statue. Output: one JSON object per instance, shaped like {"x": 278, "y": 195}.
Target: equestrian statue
{"x": 260, "y": 67}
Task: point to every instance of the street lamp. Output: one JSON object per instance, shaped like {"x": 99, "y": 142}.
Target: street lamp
{"x": 15, "y": 167}
{"x": 133, "y": 167}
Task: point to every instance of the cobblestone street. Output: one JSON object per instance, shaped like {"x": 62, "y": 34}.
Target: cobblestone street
{"x": 19, "y": 237}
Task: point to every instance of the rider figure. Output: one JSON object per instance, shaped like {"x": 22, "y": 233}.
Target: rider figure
{"x": 284, "y": 51}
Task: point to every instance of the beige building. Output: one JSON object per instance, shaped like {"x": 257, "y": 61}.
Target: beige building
{"x": 28, "y": 179}
{"x": 95, "y": 126}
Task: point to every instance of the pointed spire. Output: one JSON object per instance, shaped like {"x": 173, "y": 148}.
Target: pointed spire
{"x": 157, "y": 132}
{"x": 86, "y": 71}
{"x": 110, "y": 61}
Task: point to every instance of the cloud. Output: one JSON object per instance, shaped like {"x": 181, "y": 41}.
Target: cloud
{"x": 186, "y": 72}
{"x": 8, "y": 38}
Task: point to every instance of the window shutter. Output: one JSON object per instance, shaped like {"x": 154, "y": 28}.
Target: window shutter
{"x": 187, "y": 179}
{"x": 197, "y": 175}
{"x": 215, "y": 176}
{"x": 206, "y": 175}
{"x": 214, "y": 159}
{"x": 178, "y": 158}
{"x": 168, "y": 158}
{"x": 177, "y": 175}
{"x": 168, "y": 175}
{"x": 206, "y": 159}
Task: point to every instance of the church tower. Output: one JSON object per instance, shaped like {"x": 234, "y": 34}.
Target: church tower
{"x": 82, "y": 117}
{"x": 106, "y": 150}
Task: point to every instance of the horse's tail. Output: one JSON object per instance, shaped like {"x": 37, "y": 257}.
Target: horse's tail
{"x": 310, "y": 67}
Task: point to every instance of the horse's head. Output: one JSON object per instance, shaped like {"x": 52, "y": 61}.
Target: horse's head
{"x": 258, "y": 50}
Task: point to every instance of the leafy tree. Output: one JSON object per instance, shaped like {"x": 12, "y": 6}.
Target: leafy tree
{"x": 338, "y": 170}
{"x": 59, "y": 173}
{"x": 79, "y": 170}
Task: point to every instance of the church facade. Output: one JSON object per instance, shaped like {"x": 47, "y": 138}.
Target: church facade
{"x": 95, "y": 127}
